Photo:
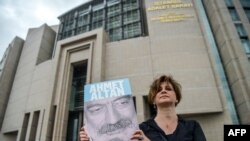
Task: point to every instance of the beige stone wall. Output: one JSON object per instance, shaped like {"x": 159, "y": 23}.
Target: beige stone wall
{"x": 178, "y": 48}
{"x": 235, "y": 60}
{"x": 7, "y": 73}
{"x": 30, "y": 89}
{"x": 89, "y": 47}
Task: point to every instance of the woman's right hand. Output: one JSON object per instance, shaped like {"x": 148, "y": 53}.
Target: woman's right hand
{"x": 83, "y": 135}
{"x": 139, "y": 135}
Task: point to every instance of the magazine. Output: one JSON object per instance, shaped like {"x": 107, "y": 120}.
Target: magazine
{"x": 109, "y": 112}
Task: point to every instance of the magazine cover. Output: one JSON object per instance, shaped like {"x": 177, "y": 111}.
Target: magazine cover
{"x": 109, "y": 112}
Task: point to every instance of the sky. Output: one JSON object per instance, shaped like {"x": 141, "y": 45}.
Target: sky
{"x": 17, "y": 16}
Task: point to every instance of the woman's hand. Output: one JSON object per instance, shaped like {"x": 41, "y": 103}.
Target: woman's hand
{"x": 83, "y": 135}
{"x": 139, "y": 135}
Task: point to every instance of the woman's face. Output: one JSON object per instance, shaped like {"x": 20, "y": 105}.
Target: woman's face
{"x": 165, "y": 95}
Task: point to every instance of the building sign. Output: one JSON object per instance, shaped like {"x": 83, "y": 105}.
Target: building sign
{"x": 170, "y": 16}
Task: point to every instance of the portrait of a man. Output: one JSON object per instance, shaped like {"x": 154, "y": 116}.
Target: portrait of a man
{"x": 109, "y": 112}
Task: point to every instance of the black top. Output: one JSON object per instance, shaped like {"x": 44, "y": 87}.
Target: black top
{"x": 186, "y": 130}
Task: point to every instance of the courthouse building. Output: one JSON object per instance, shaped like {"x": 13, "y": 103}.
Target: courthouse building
{"x": 204, "y": 44}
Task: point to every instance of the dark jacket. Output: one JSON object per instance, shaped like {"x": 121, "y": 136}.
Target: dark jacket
{"x": 187, "y": 130}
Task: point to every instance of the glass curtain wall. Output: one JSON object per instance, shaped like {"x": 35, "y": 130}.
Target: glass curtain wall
{"x": 122, "y": 19}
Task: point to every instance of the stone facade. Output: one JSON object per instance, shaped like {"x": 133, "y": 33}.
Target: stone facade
{"x": 179, "y": 44}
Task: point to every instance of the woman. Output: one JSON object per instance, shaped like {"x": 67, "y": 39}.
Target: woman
{"x": 165, "y": 95}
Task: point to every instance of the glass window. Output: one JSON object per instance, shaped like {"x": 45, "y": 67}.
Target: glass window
{"x": 114, "y": 10}
{"x": 112, "y": 2}
{"x": 115, "y": 34}
{"x": 82, "y": 29}
{"x": 114, "y": 22}
{"x": 74, "y": 120}
{"x": 79, "y": 80}
{"x": 69, "y": 26}
{"x": 130, "y": 5}
{"x": 245, "y": 3}
{"x": 83, "y": 20}
{"x": 75, "y": 116}
{"x": 98, "y": 6}
{"x": 60, "y": 28}
{"x": 67, "y": 34}
{"x": 246, "y": 45}
{"x": 33, "y": 128}
{"x": 131, "y": 16}
{"x": 24, "y": 126}
{"x": 98, "y": 15}
{"x": 83, "y": 11}
{"x": 247, "y": 11}
{"x": 97, "y": 24}
{"x": 132, "y": 30}
{"x": 241, "y": 31}
{"x": 2, "y": 62}
{"x": 234, "y": 15}
{"x": 229, "y": 3}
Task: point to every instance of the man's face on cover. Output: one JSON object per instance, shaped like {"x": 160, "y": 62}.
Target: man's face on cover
{"x": 111, "y": 119}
